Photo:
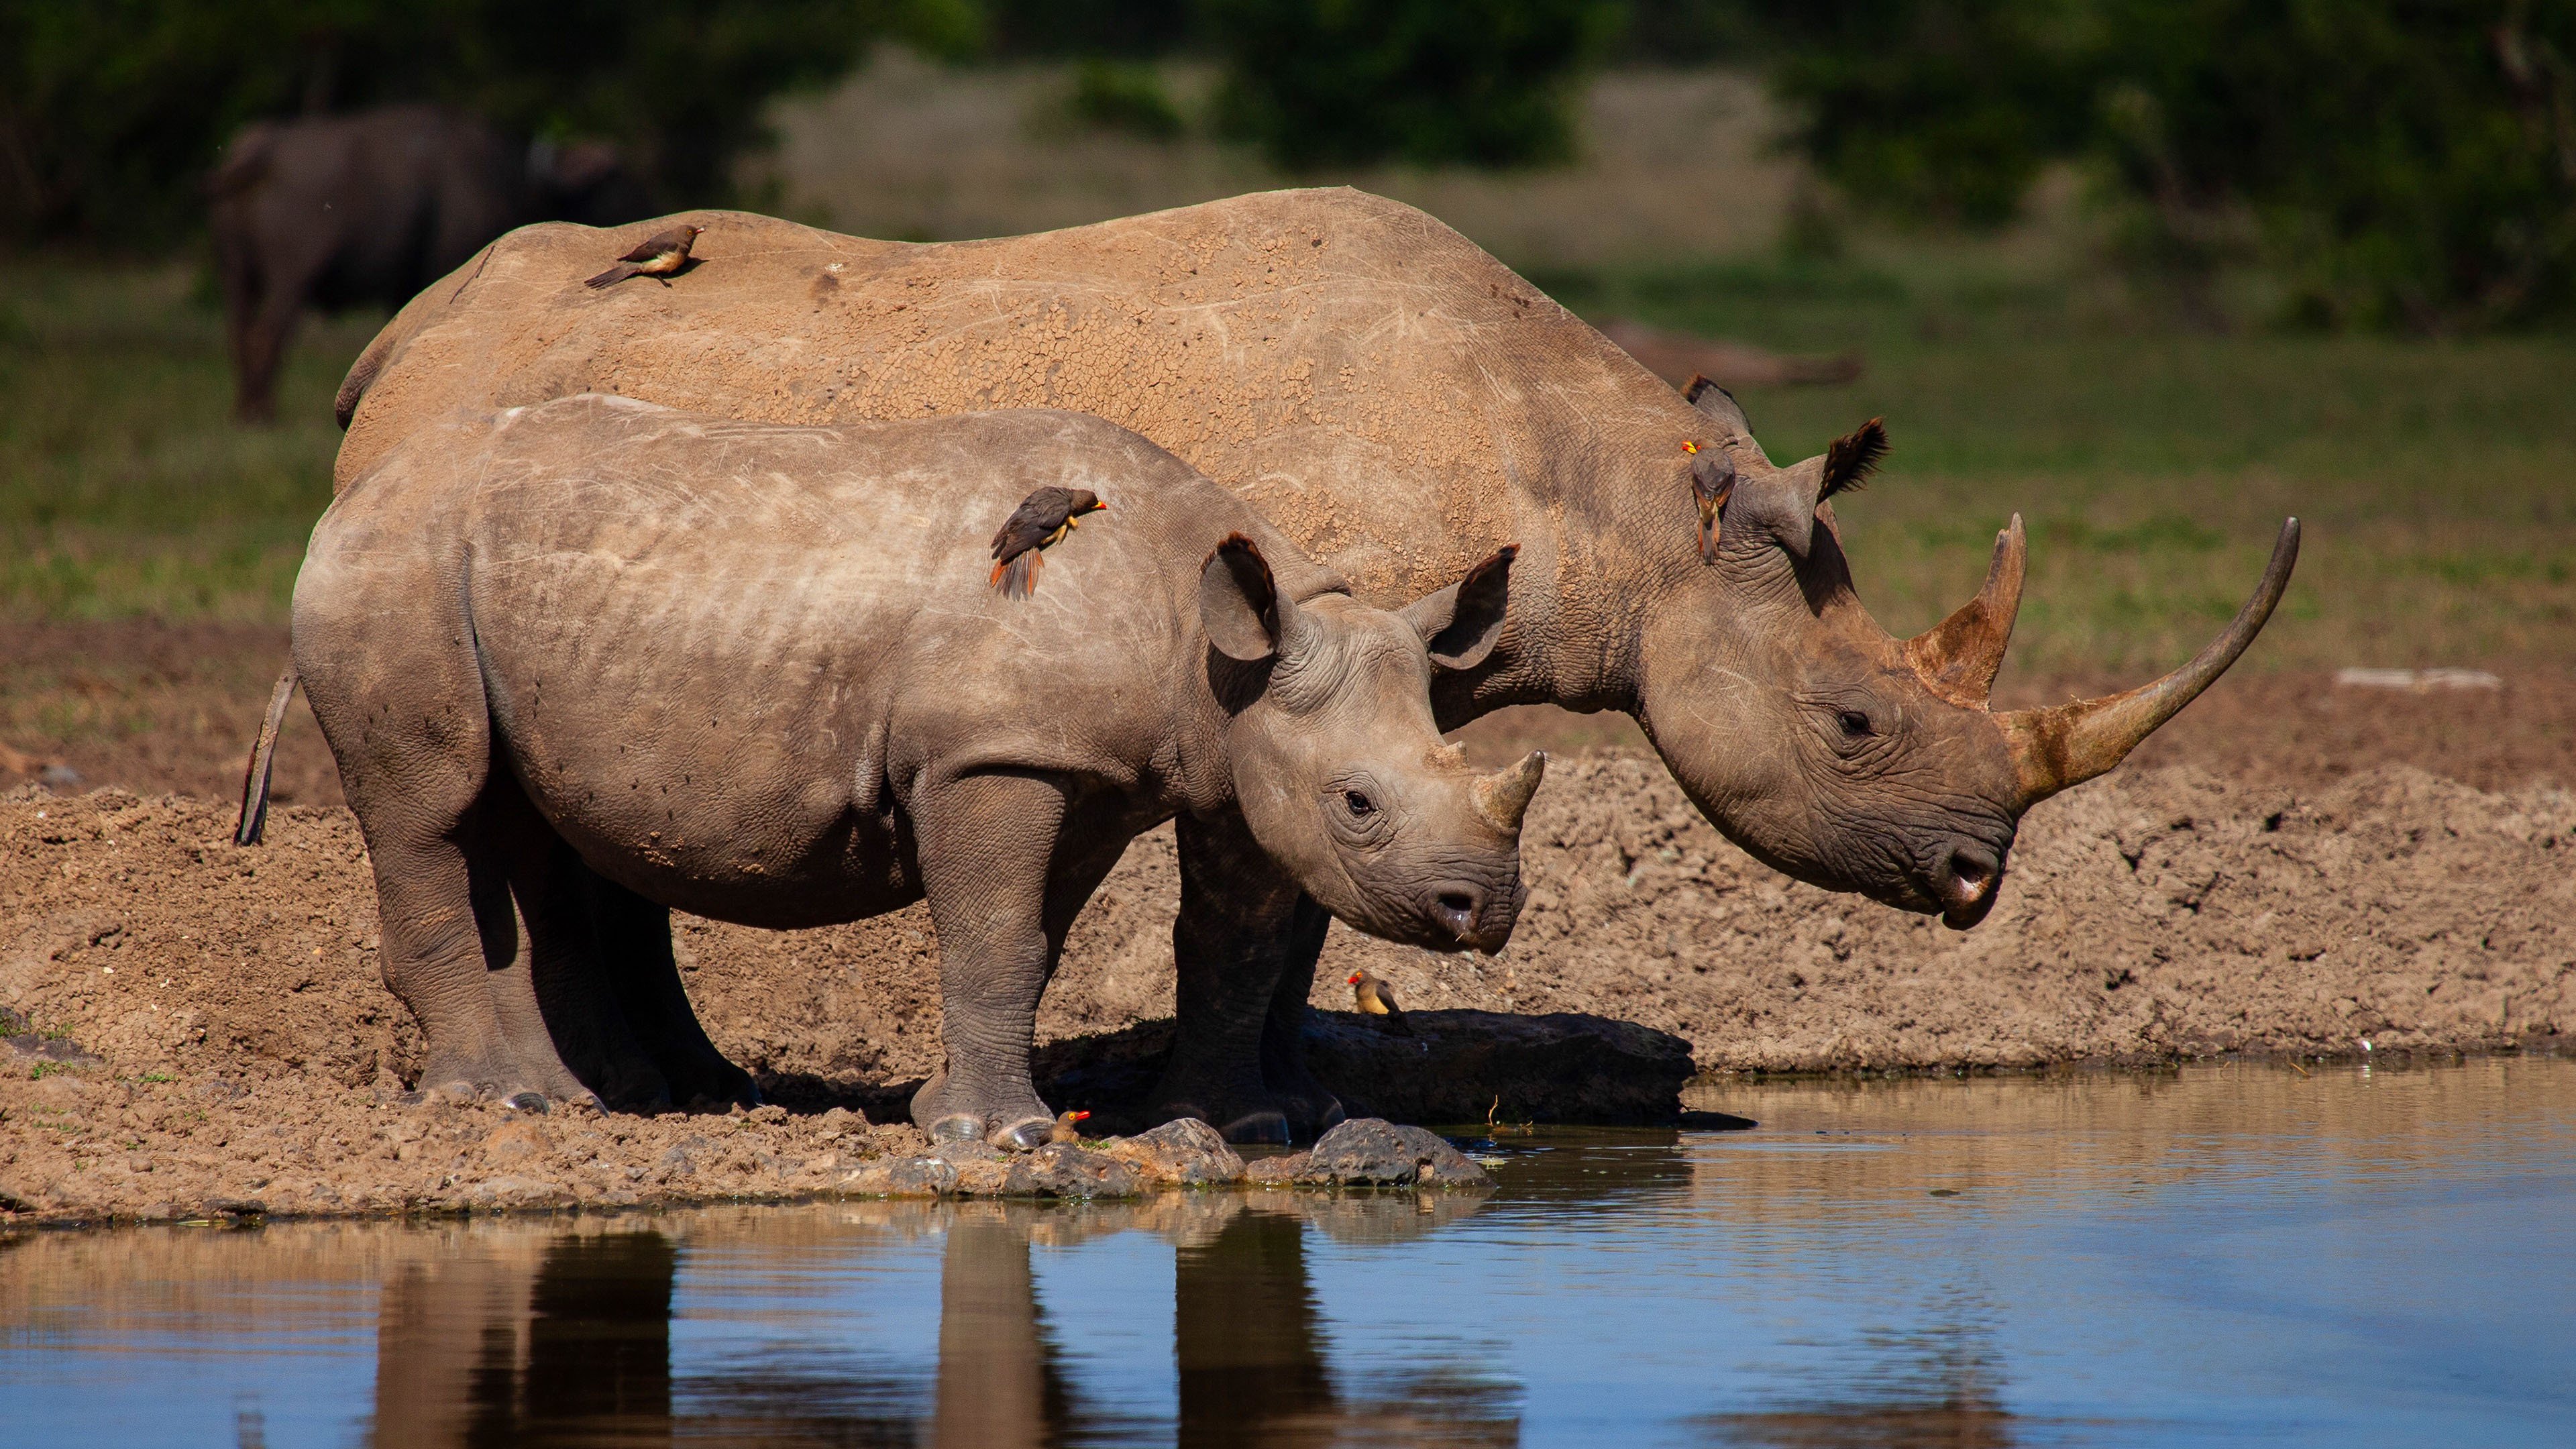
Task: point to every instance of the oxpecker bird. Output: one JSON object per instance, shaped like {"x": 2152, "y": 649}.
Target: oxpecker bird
{"x": 1041, "y": 519}
{"x": 1064, "y": 1129}
{"x": 660, "y": 255}
{"x": 1376, "y": 1000}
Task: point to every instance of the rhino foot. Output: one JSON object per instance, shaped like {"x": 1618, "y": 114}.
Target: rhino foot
{"x": 951, "y": 1111}
{"x": 1251, "y": 1111}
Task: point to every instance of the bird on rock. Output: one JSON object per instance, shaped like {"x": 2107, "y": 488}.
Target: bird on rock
{"x": 660, "y": 255}
{"x": 1064, "y": 1129}
{"x": 1376, "y": 1000}
{"x": 1041, "y": 519}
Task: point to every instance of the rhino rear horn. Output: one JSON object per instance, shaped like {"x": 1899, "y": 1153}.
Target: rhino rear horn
{"x": 1959, "y": 657}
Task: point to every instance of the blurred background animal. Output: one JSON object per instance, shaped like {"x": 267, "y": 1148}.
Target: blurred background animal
{"x": 336, "y": 212}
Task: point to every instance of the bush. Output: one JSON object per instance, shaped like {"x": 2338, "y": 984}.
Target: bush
{"x": 2394, "y": 162}
{"x": 1124, "y": 96}
{"x": 1352, "y": 82}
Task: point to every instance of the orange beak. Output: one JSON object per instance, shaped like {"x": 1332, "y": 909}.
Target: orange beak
{"x": 1081, "y": 1116}
{"x": 1689, "y": 447}
{"x": 1354, "y": 981}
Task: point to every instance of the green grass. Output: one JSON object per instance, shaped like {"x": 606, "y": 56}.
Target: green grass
{"x": 2437, "y": 480}
{"x": 125, "y": 488}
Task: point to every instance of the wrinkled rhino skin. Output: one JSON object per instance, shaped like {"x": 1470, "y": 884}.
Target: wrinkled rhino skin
{"x": 601, "y": 659}
{"x": 1399, "y": 403}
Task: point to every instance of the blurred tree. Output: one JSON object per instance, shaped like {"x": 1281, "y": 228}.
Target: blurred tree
{"x": 1484, "y": 82}
{"x": 110, "y": 110}
{"x": 1130, "y": 29}
{"x": 2401, "y": 162}
{"x": 1938, "y": 108}
{"x": 2394, "y": 162}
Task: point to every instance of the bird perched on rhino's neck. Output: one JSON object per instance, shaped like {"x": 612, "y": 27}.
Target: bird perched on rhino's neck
{"x": 659, "y": 255}
{"x": 1043, "y": 518}
{"x": 1375, "y": 999}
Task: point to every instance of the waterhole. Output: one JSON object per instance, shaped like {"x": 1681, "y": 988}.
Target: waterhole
{"x": 2338, "y": 1254}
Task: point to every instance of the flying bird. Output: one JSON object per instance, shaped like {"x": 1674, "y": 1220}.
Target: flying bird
{"x": 1064, "y": 1129}
{"x": 1041, "y": 519}
{"x": 1376, "y": 1000}
{"x": 660, "y": 255}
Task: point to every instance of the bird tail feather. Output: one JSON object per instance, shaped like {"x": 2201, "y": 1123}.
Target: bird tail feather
{"x": 1396, "y": 1020}
{"x": 1018, "y": 578}
{"x": 611, "y": 277}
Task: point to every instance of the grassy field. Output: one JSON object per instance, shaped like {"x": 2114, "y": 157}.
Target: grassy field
{"x": 2438, "y": 481}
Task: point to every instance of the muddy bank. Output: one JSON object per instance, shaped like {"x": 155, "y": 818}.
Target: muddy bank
{"x": 232, "y": 1003}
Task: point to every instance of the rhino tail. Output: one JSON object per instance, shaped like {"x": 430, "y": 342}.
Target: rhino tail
{"x": 253, "y": 824}
{"x": 1017, "y": 577}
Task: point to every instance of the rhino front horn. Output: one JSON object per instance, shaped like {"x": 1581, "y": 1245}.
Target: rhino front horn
{"x": 2068, "y": 744}
{"x": 1503, "y": 797}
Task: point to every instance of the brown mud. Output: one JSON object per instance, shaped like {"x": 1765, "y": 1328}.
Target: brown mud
{"x": 2289, "y": 867}
{"x": 208, "y": 1025}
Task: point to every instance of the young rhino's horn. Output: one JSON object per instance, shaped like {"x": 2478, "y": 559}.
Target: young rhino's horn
{"x": 1503, "y": 797}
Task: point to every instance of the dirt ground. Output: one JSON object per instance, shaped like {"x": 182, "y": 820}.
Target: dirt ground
{"x": 2291, "y": 868}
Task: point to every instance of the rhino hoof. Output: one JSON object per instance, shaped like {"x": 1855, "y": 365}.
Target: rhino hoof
{"x": 958, "y": 1128}
{"x": 533, "y": 1102}
{"x": 1027, "y": 1136}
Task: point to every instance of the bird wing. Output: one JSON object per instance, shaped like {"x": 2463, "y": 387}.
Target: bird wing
{"x": 1394, "y": 1013}
{"x": 653, "y": 246}
{"x": 1038, "y": 515}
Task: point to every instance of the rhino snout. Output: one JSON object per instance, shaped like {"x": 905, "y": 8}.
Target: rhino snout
{"x": 1964, "y": 879}
{"x": 1475, "y": 915}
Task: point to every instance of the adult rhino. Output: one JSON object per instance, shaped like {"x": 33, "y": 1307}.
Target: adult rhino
{"x": 1400, "y": 404}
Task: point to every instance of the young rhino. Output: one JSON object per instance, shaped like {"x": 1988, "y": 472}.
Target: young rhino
{"x": 606, "y": 659}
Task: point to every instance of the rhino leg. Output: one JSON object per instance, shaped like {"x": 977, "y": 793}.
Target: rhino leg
{"x": 453, "y": 953}
{"x": 633, "y": 952}
{"x": 576, "y": 1011}
{"x": 1004, "y": 882}
{"x": 1310, "y": 1106}
{"x": 1244, "y": 937}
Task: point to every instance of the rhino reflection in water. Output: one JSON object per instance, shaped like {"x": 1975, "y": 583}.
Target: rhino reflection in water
{"x": 503, "y": 1338}
{"x": 527, "y": 1341}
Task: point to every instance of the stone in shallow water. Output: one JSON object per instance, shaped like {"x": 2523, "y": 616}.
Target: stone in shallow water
{"x": 1064, "y": 1170}
{"x": 902, "y": 1177}
{"x": 1368, "y": 1152}
{"x": 1183, "y": 1153}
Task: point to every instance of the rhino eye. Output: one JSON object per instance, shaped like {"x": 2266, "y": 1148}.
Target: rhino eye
{"x": 1358, "y": 804}
{"x": 1855, "y": 725}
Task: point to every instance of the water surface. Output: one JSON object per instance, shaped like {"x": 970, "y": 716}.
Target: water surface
{"x": 2224, "y": 1254}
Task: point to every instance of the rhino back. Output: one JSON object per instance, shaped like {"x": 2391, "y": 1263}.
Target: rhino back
{"x": 1397, "y": 400}
{"x": 731, "y": 653}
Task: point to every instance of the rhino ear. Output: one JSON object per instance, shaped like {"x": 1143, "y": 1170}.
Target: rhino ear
{"x": 1239, "y": 603}
{"x": 1779, "y": 507}
{"x": 1725, "y": 415}
{"x": 1460, "y": 624}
